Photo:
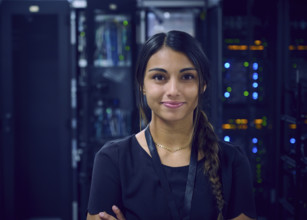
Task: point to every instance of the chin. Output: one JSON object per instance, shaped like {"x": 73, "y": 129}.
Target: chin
{"x": 174, "y": 118}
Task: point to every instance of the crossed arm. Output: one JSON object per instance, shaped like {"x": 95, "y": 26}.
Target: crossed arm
{"x": 120, "y": 216}
{"x": 106, "y": 216}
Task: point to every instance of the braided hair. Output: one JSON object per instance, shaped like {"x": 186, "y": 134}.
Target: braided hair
{"x": 203, "y": 136}
{"x": 208, "y": 142}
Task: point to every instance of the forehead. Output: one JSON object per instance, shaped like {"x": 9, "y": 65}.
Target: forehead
{"x": 167, "y": 57}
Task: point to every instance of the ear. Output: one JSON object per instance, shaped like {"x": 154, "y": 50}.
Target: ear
{"x": 205, "y": 87}
{"x": 142, "y": 90}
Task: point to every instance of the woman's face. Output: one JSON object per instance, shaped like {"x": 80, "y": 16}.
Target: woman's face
{"x": 171, "y": 85}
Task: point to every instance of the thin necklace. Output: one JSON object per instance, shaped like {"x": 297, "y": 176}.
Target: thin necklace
{"x": 171, "y": 150}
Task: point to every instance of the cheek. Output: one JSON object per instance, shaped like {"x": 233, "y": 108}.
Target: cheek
{"x": 193, "y": 96}
{"x": 153, "y": 94}
{"x": 192, "y": 92}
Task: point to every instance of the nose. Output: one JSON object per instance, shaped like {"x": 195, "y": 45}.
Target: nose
{"x": 173, "y": 87}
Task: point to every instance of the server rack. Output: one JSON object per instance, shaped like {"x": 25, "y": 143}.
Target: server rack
{"x": 35, "y": 103}
{"x": 105, "y": 42}
{"x": 292, "y": 111}
{"x": 248, "y": 91}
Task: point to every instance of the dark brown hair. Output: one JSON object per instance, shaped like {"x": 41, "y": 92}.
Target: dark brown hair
{"x": 204, "y": 136}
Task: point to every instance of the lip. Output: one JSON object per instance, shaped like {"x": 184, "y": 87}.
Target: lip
{"x": 172, "y": 104}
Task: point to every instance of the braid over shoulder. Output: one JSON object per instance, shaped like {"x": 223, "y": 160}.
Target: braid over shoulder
{"x": 207, "y": 141}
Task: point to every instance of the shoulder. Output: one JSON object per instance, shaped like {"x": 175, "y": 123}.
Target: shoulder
{"x": 113, "y": 148}
{"x": 235, "y": 166}
{"x": 230, "y": 153}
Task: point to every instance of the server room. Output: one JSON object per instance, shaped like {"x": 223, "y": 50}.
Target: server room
{"x": 68, "y": 94}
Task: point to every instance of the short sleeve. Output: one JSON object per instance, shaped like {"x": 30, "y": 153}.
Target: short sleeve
{"x": 242, "y": 195}
{"x": 105, "y": 188}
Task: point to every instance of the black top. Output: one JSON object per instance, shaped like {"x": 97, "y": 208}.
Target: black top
{"x": 123, "y": 175}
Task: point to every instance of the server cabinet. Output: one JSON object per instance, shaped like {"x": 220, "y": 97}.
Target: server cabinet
{"x": 105, "y": 81}
{"x": 249, "y": 30}
{"x": 292, "y": 110}
{"x": 35, "y": 110}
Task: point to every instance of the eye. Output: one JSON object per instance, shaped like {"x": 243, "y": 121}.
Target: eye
{"x": 188, "y": 76}
{"x": 158, "y": 77}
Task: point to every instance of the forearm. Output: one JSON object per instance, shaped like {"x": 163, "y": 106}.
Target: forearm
{"x": 92, "y": 217}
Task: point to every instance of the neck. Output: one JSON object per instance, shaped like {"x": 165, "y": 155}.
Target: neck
{"x": 172, "y": 135}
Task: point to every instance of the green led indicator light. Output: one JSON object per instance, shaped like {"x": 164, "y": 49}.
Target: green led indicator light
{"x": 294, "y": 65}
{"x": 125, "y": 23}
{"x": 121, "y": 57}
{"x": 109, "y": 110}
{"x": 246, "y": 64}
{"x": 229, "y": 89}
{"x": 127, "y": 48}
{"x": 82, "y": 34}
{"x": 246, "y": 93}
{"x": 264, "y": 121}
{"x": 203, "y": 15}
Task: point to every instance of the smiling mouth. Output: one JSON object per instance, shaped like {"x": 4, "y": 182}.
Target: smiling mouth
{"x": 172, "y": 104}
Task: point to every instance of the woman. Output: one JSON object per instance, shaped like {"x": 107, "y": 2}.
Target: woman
{"x": 175, "y": 168}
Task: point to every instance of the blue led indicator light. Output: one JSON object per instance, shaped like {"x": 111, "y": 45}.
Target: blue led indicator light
{"x": 255, "y": 140}
{"x": 255, "y": 76}
{"x": 255, "y": 149}
{"x": 292, "y": 140}
{"x": 255, "y": 95}
{"x": 227, "y": 65}
{"x": 255, "y": 85}
{"x": 227, "y": 138}
{"x": 255, "y": 66}
{"x": 227, "y": 95}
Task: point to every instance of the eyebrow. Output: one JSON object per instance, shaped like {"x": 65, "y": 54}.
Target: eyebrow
{"x": 187, "y": 69}
{"x": 157, "y": 69}
{"x": 163, "y": 70}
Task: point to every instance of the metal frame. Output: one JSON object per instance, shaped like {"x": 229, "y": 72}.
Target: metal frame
{"x": 170, "y": 3}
